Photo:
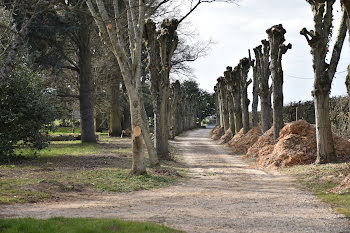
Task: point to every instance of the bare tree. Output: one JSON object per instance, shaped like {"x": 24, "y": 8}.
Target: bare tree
{"x": 126, "y": 45}
{"x": 255, "y": 103}
{"x": 262, "y": 56}
{"x": 231, "y": 110}
{"x": 318, "y": 40}
{"x": 276, "y": 39}
{"x": 244, "y": 66}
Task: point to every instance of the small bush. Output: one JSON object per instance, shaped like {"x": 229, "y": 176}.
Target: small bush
{"x": 25, "y": 111}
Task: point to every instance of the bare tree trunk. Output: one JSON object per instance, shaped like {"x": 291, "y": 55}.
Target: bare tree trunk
{"x": 217, "y": 106}
{"x": 244, "y": 69}
{"x": 255, "y": 117}
{"x": 85, "y": 84}
{"x": 115, "y": 126}
{"x": 263, "y": 62}
{"x": 236, "y": 79}
{"x": 255, "y": 103}
{"x": 325, "y": 145}
{"x": 318, "y": 41}
{"x": 346, "y": 4}
{"x": 224, "y": 105}
{"x": 276, "y": 38}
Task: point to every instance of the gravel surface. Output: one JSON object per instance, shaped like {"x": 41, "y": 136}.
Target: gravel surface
{"x": 222, "y": 195}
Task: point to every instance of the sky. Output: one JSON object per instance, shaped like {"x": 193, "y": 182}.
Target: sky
{"x": 235, "y": 29}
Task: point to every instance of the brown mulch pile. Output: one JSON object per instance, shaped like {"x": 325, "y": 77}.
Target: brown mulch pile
{"x": 295, "y": 146}
{"x": 263, "y": 146}
{"x": 343, "y": 187}
{"x": 226, "y": 137}
{"x": 218, "y": 133}
{"x": 236, "y": 138}
{"x": 243, "y": 142}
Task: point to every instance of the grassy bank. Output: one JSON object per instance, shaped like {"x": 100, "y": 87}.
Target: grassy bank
{"x": 71, "y": 167}
{"x": 79, "y": 225}
{"x": 319, "y": 179}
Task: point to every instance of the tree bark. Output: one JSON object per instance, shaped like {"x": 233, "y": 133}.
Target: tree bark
{"x": 85, "y": 83}
{"x": 276, "y": 39}
{"x": 237, "y": 99}
{"x": 115, "y": 126}
{"x": 224, "y": 105}
{"x": 263, "y": 62}
{"x": 325, "y": 145}
{"x": 255, "y": 103}
{"x": 244, "y": 69}
{"x": 318, "y": 40}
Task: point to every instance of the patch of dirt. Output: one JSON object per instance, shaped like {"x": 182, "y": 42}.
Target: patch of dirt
{"x": 244, "y": 142}
{"x": 218, "y": 133}
{"x": 226, "y": 137}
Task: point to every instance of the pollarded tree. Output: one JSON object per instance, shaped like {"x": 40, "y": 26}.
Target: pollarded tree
{"x": 126, "y": 45}
{"x": 216, "y": 92}
{"x": 223, "y": 102}
{"x": 276, "y": 38}
{"x": 318, "y": 40}
{"x": 237, "y": 93}
{"x": 262, "y": 56}
{"x": 244, "y": 66}
{"x": 161, "y": 46}
{"x": 231, "y": 110}
{"x": 255, "y": 103}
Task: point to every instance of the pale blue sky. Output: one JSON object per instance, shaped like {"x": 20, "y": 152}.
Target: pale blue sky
{"x": 235, "y": 29}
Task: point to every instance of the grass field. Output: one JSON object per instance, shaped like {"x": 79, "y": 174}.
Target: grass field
{"x": 79, "y": 225}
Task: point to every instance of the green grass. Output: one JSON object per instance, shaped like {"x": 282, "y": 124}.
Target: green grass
{"x": 63, "y": 148}
{"x": 75, "y": 167}
{"x": 39, "y": 186}
{"x": 319, "y": 179}
{"x": 79, "y": 225}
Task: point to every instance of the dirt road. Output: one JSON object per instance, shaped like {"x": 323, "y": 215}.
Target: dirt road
{"x": 223, "y": 195}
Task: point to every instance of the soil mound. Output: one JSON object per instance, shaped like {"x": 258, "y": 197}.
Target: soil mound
{"x": 217, "y": 134}
{"x": 295, "y": 146}
{"x": 226, "y": 137}
{"x": 242, "y": 143}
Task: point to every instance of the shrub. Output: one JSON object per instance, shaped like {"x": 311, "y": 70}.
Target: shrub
{"x": 26, "y": 111}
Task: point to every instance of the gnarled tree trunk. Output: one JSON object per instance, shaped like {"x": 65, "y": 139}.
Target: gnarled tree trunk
{"x": 263, "y": 62}
{"x": 244, "y": 69}
{"x": 318, "y": 40}
{"x": 276, "y": 39}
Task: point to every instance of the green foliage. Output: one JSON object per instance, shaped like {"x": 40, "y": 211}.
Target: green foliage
{"x": 25, "y": 111}
{"x": 79, "y": 225}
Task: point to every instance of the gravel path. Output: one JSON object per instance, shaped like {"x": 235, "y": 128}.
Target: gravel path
{"x": 223, "y": 195}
